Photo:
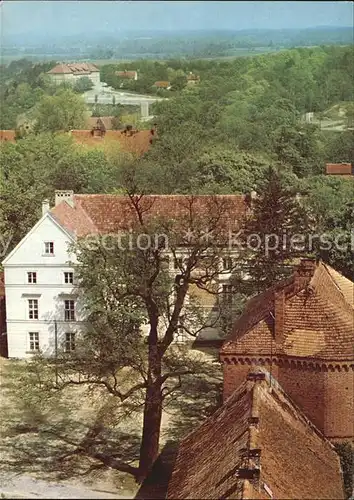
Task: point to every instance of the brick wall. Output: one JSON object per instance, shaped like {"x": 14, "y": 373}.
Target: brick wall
{"x": 326, "y": 397}
{"x": 234, "y": 375}
{"x": 339, "y": 416}
{"x": 307, "y": 389}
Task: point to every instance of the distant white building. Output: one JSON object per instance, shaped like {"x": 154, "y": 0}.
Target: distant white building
{"x": 43, "y": 307}
{"x": 309, "y": 117}
{"x": 71, "y": 72}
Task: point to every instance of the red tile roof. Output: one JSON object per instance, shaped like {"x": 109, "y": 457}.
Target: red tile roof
{"x": 192, "y": 77}
{"x": 137, "y": 142}
{"x": 103, "y": 213}
{"x": 319, "y": 319}
{"x": 126, "y": 74}
{"x": 339, "y": 169}
{"x": 107, "y": 121}
{"x": 74, "y": 68}
{"x": 258, "y": 434}
{"x": 7, "y": 135}
{"x": 162, "y": 85}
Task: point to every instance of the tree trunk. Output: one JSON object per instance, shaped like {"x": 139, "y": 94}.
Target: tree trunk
{"x": 149, "y": 447}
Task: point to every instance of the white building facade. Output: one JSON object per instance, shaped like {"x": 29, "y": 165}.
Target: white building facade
{"x": 44, "y": 311}
{"x": 71, "y": 72}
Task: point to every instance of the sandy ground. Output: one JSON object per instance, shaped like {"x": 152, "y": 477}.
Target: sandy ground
{"x": 24, "y": 486}
{"x": 80, "y": 480}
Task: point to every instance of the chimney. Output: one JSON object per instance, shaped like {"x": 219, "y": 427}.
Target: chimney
{"x": 279, "y": 316}
{"x": 304, "y": 272}
{"x": 45, "y": 207}
{"x": 65, "y": 195}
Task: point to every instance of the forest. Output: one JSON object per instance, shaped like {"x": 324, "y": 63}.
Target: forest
{"x": 220, "y": 136}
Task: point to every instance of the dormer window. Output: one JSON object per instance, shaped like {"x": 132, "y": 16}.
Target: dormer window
{"x": 49, "y": 248}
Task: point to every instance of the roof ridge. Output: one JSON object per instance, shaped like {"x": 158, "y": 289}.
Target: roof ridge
{"x": 271, "y": 384}
{"x": 343, "y": 299}
{"x": 327, "y": 267}
{"x": 165, "y": 196}
{"x": 85, "y": 212}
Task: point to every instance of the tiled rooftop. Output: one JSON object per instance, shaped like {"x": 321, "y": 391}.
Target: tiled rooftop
{"x": 318, "y": 319}
{"x": 339, "y": 169}
{"x": 74, "y": 68}
{"x": 101, "y": 213}
{"x": 137, "y": 143}
{"x": 257, "y": 445}
{"x": 7, "y": 135}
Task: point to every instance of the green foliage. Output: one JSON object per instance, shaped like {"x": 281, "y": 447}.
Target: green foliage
{"x": 300, "y": 147}
{"x": 339, "y": 147}
{"x": 229, "y": 171}
{"x": 346, "y": 454}
{"x": 22, "y": 85}
{"x": 35, "y": 166}
{"x": 330, "y": 202}
{"x": 83, "y": 84}
{"x": 63, "y": 111}
{"x": 267, "y": 237}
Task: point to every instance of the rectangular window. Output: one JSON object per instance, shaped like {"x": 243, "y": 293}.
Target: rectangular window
{"x": 33, "y": 308}
{"x": 227, "y": 292}
{"x": 33, "y": 341}
{"x": 31, "y": 277}
{"x": 69, "y": 342}
{"x": 227, "y": 263}
{"x": 69, "y": 278}
{"x": 69, "y": 307}
{"x": 49, "y": 248}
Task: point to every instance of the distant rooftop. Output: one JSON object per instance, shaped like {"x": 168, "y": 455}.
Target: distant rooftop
{"x": 74, "y": 68}
{"x": 339, "y": 169}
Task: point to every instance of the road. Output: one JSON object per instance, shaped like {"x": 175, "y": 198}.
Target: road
{"x": 22, "y": 486}
{"x": 105, "y": 96}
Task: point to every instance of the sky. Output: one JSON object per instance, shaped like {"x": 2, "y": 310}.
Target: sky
{"x": 55, "y": 17}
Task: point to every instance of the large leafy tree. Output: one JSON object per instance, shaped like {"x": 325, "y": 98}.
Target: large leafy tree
{"x": 63, "y": 111}
{"x": 300, "y": 147}
{"x": 34, "y": 167}
{"x": 126, "y": 288}
{"x": 83, "y": 84}
{"x": 228, "y": 170}
{"x": 330, "y": 203}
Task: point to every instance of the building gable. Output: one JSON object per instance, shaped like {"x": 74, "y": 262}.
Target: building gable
{"x": 31, "y": 248}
